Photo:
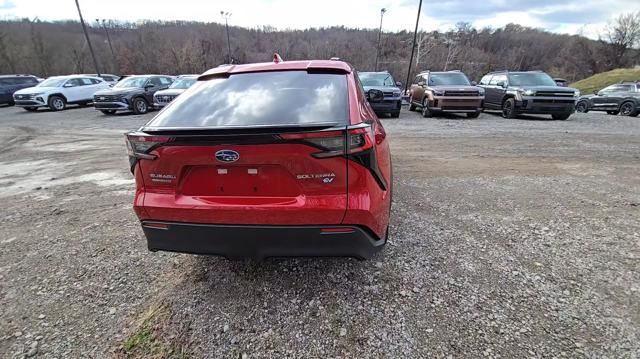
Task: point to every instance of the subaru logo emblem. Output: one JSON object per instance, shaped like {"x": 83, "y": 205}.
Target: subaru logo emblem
{"x": 227, "y": 156}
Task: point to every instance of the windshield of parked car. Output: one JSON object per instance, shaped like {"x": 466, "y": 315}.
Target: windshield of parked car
{"x": 531, "y": 79}
{"x": 259, "y": 99}
{"x": 449, "y": 79}
{"x": 376, "y": 79}
{"x": 131, "y": 82}
{"x": 52, "y": 82}
{"x": 183, "y": 83}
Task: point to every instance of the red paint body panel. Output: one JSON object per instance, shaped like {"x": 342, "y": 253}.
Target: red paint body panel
{"x": 279, "y": 183}
{"x": 274, "y": 195}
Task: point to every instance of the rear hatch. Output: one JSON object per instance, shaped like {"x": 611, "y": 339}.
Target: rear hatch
{"x": 255, "y": 148}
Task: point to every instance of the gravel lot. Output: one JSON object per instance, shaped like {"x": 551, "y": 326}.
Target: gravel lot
{"x": 510, "y": 238}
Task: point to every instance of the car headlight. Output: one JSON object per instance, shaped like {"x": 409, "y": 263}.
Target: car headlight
{"x": 523, "y": 92}
{"x": 438, "y": 93}
{"x": 37, "y": 94}
{"x": 396, "y": 93}
{"x": 576, "y": 94}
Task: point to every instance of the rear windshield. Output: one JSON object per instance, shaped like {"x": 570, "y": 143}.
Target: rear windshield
{"x": 262, "y": 99}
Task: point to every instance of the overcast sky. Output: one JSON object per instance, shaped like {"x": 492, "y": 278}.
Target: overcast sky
{"x": 563, "y": 16}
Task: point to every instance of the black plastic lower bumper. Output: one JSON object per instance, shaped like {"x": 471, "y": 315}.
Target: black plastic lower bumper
{"x": 249, "y": 241}
{"x": 545, "y": 106}
{"x": 387, "y": 106}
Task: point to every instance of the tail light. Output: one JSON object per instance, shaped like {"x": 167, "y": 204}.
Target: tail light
{"x": 359, "y": 138}
{"x": 140, "y": 144}
{"x": 357, "y": 144}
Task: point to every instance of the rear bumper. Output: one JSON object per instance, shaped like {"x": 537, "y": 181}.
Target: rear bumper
{"x": 249, "y": 241}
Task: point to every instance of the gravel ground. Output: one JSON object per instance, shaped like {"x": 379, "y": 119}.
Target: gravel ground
{"x": 509, "y": 238}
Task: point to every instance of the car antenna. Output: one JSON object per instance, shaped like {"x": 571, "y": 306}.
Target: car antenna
{"x": 276, "y": 58}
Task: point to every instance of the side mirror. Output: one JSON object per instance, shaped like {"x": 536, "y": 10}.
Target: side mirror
{"x": 398, "y": 84}
{"x": 473, "y": 83}
{"x": 67, "y": 85}
{"x": 501, "y": 84}
{"x": 374, "y": 95}
{"x": 148, "y": 87}
{"x": 421, "y": 83}
{"x": 596, "y": 92}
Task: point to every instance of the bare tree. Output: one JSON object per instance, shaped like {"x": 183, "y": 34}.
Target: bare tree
{"x": 622, "y": 35}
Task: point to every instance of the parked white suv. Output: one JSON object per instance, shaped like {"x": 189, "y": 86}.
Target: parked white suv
{"x": 58, "y": 91}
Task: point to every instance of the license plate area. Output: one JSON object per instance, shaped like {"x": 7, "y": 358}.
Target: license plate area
{"x": 239, "y": 180}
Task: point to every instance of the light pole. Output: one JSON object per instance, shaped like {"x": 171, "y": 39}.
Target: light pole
{"x": 86, "y": 35}
{"x": 113, "y": 54}
{"x": 413, "y": 47}
{"x": 382, "y": 11}
{"x": 226, "y": 16}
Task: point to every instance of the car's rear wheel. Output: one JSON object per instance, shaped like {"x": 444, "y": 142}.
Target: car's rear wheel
{"x": 473, "y": 114}
{"x": 509, "y": 108}
{"x": 57, "y": 103}
{"x": 108, "y": 112}
{"x": 426, "y": 112}
{"x": 560, "y": 116}
{"x": 613, "y": 112}
{"x": 582, "y": 107}
{"x": 140, "y": 106}
{"x": 629, "y": 109}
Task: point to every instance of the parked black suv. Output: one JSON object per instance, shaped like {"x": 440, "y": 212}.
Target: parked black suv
{"x": 133, "y": 93}
{"x": 527, "y": 92}
{"x": 12, "y": 83}
{"x": 623, "y": 98}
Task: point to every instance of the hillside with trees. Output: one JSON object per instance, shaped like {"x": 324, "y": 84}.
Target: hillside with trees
{"x": 51, "y": 48}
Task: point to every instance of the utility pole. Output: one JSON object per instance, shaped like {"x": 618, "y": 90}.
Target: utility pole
{"x": 413, "y": 46}
{"x": 113, "y": 54}
{"x": 226, "y": 16}
{"x": 382, "y": 11}
{"x": 86, "y": 35}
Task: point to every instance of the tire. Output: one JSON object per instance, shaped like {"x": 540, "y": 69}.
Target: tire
{"x": 395, "y": 114}
{"x": 412, "y": 107}
{"x": 560, "y": 116}
{"x": 57, "y": 103}
{"x": 509, "y": 108}
{"x": 629, "y": 109}
{"x": 582, "y": 107}
{"x": 108, "y": 112}
{"x": 140, "y": 106}
{"x": 613, "y": 112}
{"x": 426, "y": 113}
{"x": 31, "y": 109}
{"x": 473, "y": 114}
